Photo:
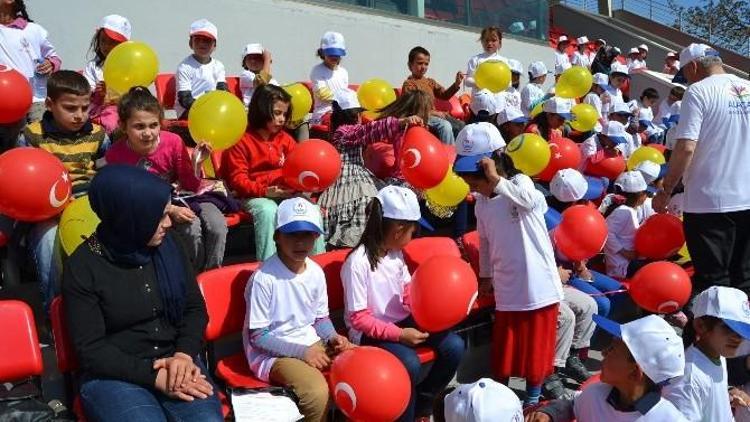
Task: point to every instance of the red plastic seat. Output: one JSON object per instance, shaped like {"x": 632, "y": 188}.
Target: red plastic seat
{"x": 233, "y": 86}
{"x": 423, "y": 248}
{"x": 223, "y": 290}
{"x": 66, "y": 356}
{"x": 471, "y": 247}
{"x": 19, "y": 344}
{"x": 331, "y": 263}
{"x": 166, "y": 90}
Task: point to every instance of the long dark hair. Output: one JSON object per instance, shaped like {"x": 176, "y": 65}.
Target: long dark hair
{"x": 376, "y": 227}
{"x": 689, "y": 336}
{"x": 410, "y": 103}
{"x": 542, "y": 125}
{"x": 341, "y": 117}
{"x": 19, "y": 10}
{"x": 95, "y": 50}
{"x": 630, "y": 198}
{"x": 260, "y": 110}
{"x": 139, "y": 98}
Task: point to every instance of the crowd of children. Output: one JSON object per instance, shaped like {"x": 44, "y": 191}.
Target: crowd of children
{"x": 546, "y": 305}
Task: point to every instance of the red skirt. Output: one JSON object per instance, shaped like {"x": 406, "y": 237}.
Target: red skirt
{"x": 523, "y": 344}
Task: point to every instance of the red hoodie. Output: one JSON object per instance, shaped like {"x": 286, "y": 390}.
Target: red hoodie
{"x": 253, "y": 164}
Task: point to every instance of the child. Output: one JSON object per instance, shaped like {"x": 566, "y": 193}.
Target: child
{"x": 511, "y": 97}
{"x": 328, "y": 76}
{"x": 560, "y": 68}
{"x": 376, "y": 286}
{"x": 549, "y": 123}
{"x": 199, "y": 72}
{"x": 66, "y": 132}
{"x": 643, "y": 49}
{"x": 644, "y": 355}
{"x": 721, "y": 322}
{"x": 561, "y": 55}
{"x": 622, "y": 223}
{"x": 256, "y": 62}
{"x": 485, "y": 400}
{"x": 484, "y": 106}
{"x": 252, "y": 167}
{"x": 581, "y": 57}
{"x": 594, "y": 97}
{"x": 635, "y": 62}
{"x": 289, "y": 338}
{"x": 511, "y": 122}
{"x": 197, "y": 219}
{"x": 492, "y": 41}
{"x": 671, "y": 64}
{"x": 112, "y": 30}
{"x": 26, "y": 49}
{"x": 532, "y": 93}
{"x": 345, "y": 201}
{"x": 667, "y": 106}
{"x": 442, "y": 124}
{"x": 618, "y": 75}
{"x": 607, "y": 143}
{"x": 517, "y": 261}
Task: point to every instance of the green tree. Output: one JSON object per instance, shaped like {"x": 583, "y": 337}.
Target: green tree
{"x": 725, "y": 23}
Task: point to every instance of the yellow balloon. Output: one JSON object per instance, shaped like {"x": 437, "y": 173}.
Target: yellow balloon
{"x": 375, "y": 94}
{"x": 493, "y": 75}
{"x": 645, "y": 154}
{"x": 301, "y": 100}
{"x": 130, "y": 64}
{"x": 217, "y": 118}
{"x": 530, "y": 153}
{"x": 450, "y": 192}
{"x": 370, "y": 115}
{"x": 77, "y": 222}
{"x": 537, "y": 109}
{"x": 585, "y": 117}
{"x": 574, "y": 82}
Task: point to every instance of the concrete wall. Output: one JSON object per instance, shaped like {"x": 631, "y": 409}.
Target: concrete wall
{"x": 378, "y": 43}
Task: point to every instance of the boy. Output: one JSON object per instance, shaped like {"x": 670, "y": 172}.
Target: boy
{"x": 667, "y": 106}
{"x": 561, "y": 55}
{"x": 66, "y": 132}
{"x": 511, "y": 97}
{"x": 532, "y": 93}
{"x": 289, "y": 338}
{"x": 634, "y": 60}
{"x": 645, "y": 355}
{"x": 671, "y": 64}
{"x": 199, "y": 73}
{"x": 442, "y": 124}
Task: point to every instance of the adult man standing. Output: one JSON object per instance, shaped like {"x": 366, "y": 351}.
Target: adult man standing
{"x": 712, "y": 157}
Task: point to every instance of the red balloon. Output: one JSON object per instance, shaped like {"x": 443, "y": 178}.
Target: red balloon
{"x": 565, "y": 155}
{"x": 312, "y": 166}
{"x": 581, "y": 233}
{"x": 610, "y": 167}
{"x": 424, "y": 162}
{"x": 661, "y": 287}
{"x": 659, "y": 237}
{"x": 380, "y": 159}
{"x": 42, "y": 189}
{"x": 16, "y": 95}
{"x": 443, "y": 290}
{"x": 370, "y": 384}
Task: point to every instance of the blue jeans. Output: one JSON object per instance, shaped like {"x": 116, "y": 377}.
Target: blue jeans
{"x": 449, "y": 349}
{"x": 443, "y": 129}
{"x": 600, "y": 284}
{"x": 46, "y": 254}
{"x": 107, "y": 400}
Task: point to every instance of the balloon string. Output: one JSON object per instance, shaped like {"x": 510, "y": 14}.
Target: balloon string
{"x": 608, "y": 293}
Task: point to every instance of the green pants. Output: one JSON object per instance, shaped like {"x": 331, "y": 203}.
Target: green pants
{"x": 263, "y": 211}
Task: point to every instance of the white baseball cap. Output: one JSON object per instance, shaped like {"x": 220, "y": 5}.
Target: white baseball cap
{"x": 116, "y": 27}
{"x": 727, "y": 303}
{"x": 634, "y": 50}
{"x": 562, "y": 39}
{"x": 615, "y": 131}
{"x": 401, "y": 204}
{"x": 559, "y": 106}
{"x": 483, "y": 401}
{"x": 696, "y": 51}
{"x": 483, "y": 100}
{"x": 649, "y": 170}
{"x": 619, "y": 107}
{"x": 631, "y": 182}
{"x": 646, "y": 116}
{"x": 252, "y": 49}
{"x": 511, "y": 114}
{"x": 582, "y": 40}
{"x": 537, "y": 69}
{"x": 601, "y": 79}
{"x": 655, "y": 346}
{"x": 515, "y": 66}
{"x": 346, "y": 99}
{"x": 298, "y": 215}
{"x": 332, "y": 44}
{"x": 672, "y": 55}
{"x": 204, "y": 28}
{"x": 474, "y": 142}
{"x": 643, "y": 47}
{"x": 618, "y": 67}
{"x": 568, "y": 185}
{"x": 562, "y": 67}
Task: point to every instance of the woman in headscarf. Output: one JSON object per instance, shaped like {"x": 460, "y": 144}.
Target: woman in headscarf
{"x": 134, "y": 310}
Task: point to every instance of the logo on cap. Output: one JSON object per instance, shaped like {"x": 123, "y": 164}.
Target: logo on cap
{"x": 746, "y": 308}
{"x": 300, "y": 208}
{"x": 468, "y": 145}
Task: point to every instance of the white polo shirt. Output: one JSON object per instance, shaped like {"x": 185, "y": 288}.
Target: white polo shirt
{"x": 716, "y": 113}
{"x": 592, "y": 406}
{"x": 285, "y": 303}
{"x": 197, "y": 78}
{"x": 622, "y": 224}
{"x": 515, "y": 249}
{"x": 335, "y": 80}
{"x": 381, "y": 291}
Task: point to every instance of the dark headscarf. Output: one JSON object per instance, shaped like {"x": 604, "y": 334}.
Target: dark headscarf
{"x": 130, "y": 203}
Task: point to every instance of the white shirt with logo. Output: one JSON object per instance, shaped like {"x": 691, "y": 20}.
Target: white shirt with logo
{"x": 198, "y": 78}
{"x": 530, "y": 95}
{"x": 592, "y": 406}
{"x": 322, "y": 76}
{"x": 622, "y": 225}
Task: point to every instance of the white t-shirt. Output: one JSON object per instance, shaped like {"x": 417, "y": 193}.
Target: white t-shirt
{"x": 514, "y": 247}
{"x": 381, "y": 291}
{"x": 595, "y": 100}
{"x": 592, "y": 406}
{"x": 662, "y": 112}
{"x": 580, "y": 59}
{"x": 247, "y": 77}
{"x": 285, "y": 303}
{"x": 335, "y": 80}
{"x": 645, "y": 211}
{"x": 471, "y": 67}
{"x": 716, "y": 113}
{"x": 561, "y": 58}
{"x": 22, "y": 49}
{"x": 530, "y": 94}
{"x": 93, "y": 73}
{"x": 636, "y": 64}
{"x": 197, "y": 78}
{"x": 622, "y": 224}
{"x": 701, "y": 394}
{"x": 511, "y": 97}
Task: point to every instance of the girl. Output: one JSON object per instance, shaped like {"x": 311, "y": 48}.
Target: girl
{"x": 256, "y": 62}
{"x": 549, "y": 123}
{"x": 721, "y": 324}
{"x": 582, "y": 57}
{"x": 376, "y": 285}
{"x": 112, "y": 30}
{"x": 492, "y": 41}
{"x": 345, "y": 201}
{"x": 253, "y": 165}
{"x": 145, "y": 145}
{"x": 618, "y": 76}
{"x": 604, "y": 144}
{"x": 532, "y": 93}
{"x": 511, "y": 122}
{"x": 517, "y": 261}
{"x": 622, "y": 223}
{"x": 328, "y": 76}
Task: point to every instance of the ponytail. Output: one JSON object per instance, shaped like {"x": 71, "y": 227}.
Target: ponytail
{"x": 20, "y": 9}
{"x": 341, "y": 117}
{"x": 139, "y": 98}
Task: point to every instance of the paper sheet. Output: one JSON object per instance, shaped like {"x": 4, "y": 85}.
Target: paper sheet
{"x": 264, "y": 407}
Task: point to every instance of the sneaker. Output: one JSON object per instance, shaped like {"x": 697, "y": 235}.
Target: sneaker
{"x": 575, "y": 369}
{"x": 553, "y": 388}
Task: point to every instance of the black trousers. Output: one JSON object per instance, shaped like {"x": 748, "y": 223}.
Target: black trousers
{"x": 719, "y": 245}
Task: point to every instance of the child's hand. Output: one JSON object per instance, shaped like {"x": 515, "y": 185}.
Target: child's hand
{"x": 485, "y": 286}
{"x": 267, "y": 56}
{"x": 411, "y": 121}
{"x": 340, "y": 343}
{"x": 278, "y": 192}
{"x": 45, "y": 67}
{"x": 180, "y": 214}
{"x": 585, "y": 274}
{"x": 324, "y": 93}
{"x": 412, "y": 337}
{"x": 490, "y": 171}
{"x": 100, "y": 89}
{"x": 538, "y": 417}
{"x": 459, "y": 78}
{"x": 564, "y": 274}
{"x": 317, "y": 357}
{"x": 738, "y": 398}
